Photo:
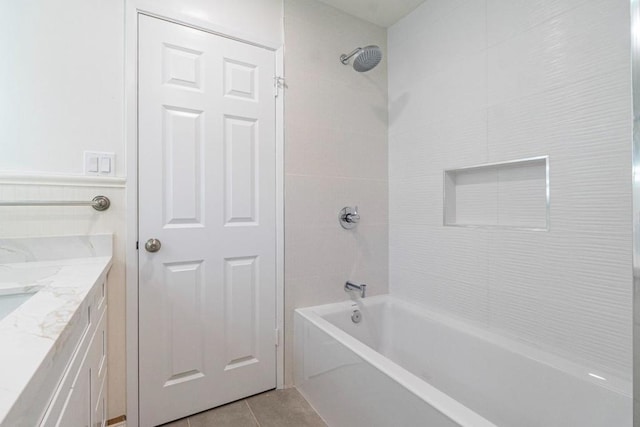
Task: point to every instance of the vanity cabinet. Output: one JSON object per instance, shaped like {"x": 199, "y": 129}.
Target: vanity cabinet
{"x": 80, "y": 399}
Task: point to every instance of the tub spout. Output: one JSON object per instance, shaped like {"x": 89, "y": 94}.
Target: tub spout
{"x": 353, "y": 287}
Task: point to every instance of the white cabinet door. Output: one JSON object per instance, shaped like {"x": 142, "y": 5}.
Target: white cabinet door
{"x": 207, "y": 303}
{"x": 77, "y": 409}
{"x": 86, "y": 402}
{"x": 98, "y": 356}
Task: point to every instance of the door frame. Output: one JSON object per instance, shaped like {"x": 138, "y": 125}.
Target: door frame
{"x": 133, "y": 8}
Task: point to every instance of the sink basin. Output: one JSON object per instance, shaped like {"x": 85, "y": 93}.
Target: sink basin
{"x": 8, "y": 303}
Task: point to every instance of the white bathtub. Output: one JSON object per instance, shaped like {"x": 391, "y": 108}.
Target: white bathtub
{"x": 404, "y": 366}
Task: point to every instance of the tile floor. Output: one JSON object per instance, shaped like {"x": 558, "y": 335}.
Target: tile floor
{"x": 276, "y": 408}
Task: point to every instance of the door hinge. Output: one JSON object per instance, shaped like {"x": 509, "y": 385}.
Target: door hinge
{"x": 278, "y": 83}
{"x": 277, "y": 337}
{"x": 136, "y": 245}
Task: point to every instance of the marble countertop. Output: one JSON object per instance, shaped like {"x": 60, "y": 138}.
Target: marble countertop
{"x": 31, "y": 334}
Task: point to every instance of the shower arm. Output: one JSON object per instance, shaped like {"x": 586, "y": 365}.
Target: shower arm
{"x": 345, "y": 58}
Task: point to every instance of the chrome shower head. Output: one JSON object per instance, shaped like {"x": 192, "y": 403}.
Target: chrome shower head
{"x": 364, "y": 58}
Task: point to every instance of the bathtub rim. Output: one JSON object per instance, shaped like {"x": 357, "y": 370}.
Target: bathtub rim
{"x": 611, "y": 382}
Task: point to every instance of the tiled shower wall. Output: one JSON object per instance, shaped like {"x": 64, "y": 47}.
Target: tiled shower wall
{"x": 335, "y": 156}
{"x": 480, "y": 81}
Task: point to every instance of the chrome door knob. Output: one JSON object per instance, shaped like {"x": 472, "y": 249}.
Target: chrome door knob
{"x": 153, "y": 245}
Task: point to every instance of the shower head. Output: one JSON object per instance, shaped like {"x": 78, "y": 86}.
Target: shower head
{"x": 364, "y": 58}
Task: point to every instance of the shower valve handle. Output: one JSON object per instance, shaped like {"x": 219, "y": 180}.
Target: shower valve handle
{"x": 352, "y": 217}
{"x": 349, "y": 217}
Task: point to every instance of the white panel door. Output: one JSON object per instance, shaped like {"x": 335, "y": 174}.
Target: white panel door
{"x": 207, "y": 192}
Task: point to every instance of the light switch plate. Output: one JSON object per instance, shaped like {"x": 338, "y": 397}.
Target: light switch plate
{"x": 92, "y": 164}
{"x": 99, "y": 163}
{"x": 105, "y": 164}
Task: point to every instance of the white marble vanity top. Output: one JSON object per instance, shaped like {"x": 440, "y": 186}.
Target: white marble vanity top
{"x": 62, "y": 271}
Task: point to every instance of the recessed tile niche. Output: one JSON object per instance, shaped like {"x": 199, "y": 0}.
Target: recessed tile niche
{"x": 512, "y": 194}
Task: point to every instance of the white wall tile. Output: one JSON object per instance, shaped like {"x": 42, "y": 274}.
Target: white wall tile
{"x": 457, "y": 90}
{"x": 427, "y": 147}
{"x": 559, "y": 120}
{"x": 335, "y": 156}
{"x": 441, "y": 38}
{"x": 553, "y": 78}
{"x": 506, "y": 18}
{"x": 426, "y": 14}
{"x": 416, "y": 200}
{"x": 586, "y": 41}
{"x": 445, "y": 287}
{"x": 568, "y": 290}
{"x": 522, "y": 196}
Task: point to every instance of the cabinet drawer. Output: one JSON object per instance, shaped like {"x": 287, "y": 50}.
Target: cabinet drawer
{"x": 88, "y": 367}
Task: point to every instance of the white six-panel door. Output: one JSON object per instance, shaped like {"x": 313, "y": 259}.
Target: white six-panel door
{"x": 207, "y": 298}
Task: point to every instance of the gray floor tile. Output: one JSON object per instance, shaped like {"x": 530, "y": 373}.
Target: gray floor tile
{"x": 235, "y": 414}
{"x": 284, "y": 408}
{"x": 180, "y": 423}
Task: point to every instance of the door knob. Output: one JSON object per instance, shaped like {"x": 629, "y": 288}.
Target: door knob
{"x": 153, "y": 245}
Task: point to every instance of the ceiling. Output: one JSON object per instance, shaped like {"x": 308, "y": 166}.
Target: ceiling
{"x": 381, "y": 12}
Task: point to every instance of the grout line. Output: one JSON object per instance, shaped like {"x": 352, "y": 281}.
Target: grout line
{"x": 252, "y": 414}
{"x": 486, "y": 79}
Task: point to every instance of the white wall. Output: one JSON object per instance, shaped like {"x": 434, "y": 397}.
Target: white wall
{"x": 256, "y": 20}
{"x": 335, "y": 156}
{"x": 62, "y": 92}
{"x": 481, "y": 81}
{"x": 61, "y": 83}
{"x": 62, "y": 73}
